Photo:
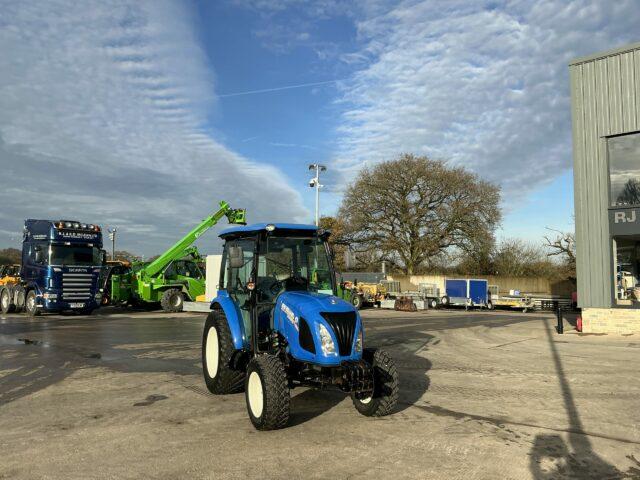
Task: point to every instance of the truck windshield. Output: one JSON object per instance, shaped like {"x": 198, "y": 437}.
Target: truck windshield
{"x": 70, "y": 255}
{"x": 295, "y": 264}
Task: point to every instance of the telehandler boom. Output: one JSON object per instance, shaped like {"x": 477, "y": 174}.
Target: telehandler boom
{"x": 175, "y": 275}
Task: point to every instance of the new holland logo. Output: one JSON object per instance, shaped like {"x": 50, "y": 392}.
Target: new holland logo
{"x": 624, "y": 217}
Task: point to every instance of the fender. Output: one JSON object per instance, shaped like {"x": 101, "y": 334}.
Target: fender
{"x": 234, "y": 318}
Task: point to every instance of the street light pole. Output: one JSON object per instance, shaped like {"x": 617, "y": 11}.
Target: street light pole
{"x": 315, "y": 182}
{"x": 112, "y": 236}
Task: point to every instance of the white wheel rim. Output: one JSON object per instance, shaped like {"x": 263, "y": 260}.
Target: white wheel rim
{"x": 212, "y": 352}
{"x": 256, "y": 396}
{"x": 366, "y": 400}
{"x": 5, "y": 300}
{"x": 31, "y": 302}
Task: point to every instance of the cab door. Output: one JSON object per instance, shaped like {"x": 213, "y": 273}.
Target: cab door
{"x": 238, "y": 276}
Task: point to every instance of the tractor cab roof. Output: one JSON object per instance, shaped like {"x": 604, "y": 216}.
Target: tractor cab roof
{"x": 276, "y": 228}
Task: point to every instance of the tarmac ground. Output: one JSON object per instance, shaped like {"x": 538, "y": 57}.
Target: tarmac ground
{"x": 484, "y": 395}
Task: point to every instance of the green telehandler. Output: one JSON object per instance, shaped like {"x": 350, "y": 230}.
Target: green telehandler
{"x": 176, "y": 275}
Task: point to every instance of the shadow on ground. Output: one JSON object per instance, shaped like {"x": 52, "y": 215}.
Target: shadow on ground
{"x": 412, "y": 369}
{"x": 552, "y": 458}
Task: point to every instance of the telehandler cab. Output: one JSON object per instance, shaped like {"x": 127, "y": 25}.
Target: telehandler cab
{"x": 277, "y": 323}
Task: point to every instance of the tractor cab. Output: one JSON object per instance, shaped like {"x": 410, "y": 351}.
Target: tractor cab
{"x": 276, "y": 323}
{"x": 262, "y": 263}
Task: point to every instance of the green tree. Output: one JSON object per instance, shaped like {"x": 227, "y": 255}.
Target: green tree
{"x": 413, "y": 209}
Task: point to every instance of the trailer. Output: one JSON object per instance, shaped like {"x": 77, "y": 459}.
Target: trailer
{"x": 467, "y": 293}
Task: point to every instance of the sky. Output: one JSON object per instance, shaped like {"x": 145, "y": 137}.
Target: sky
{"x": 144, "y": 115}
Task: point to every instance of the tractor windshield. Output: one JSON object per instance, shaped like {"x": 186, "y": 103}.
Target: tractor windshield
{"x": 289, "y": 263}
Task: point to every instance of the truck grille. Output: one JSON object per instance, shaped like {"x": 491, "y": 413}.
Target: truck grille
{"x": 344, "y": 328}
{"x": 77, "y": 286}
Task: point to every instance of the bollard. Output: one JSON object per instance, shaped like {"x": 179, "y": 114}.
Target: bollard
{"x": 560, "y": 327}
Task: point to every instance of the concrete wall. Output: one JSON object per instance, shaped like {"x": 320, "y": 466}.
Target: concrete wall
{"x": 532, "y": 285}
{"x": 605, "y": 100}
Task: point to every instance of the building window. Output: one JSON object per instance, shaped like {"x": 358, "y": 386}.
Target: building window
{"x": 624, "y": 169}
{"x": 626, "y": 251}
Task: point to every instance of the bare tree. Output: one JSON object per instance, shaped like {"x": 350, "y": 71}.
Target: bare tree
{"x": 630, "y": 194}
{"x": 563, "y": 246}
{"x": 413, "y": 209}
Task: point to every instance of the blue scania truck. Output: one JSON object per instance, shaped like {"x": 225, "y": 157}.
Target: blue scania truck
{"x": 60, "y": 270}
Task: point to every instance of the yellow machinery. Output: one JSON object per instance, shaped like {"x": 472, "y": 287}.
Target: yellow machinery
{"x": 9, "y": 274}
{"x": 364, "y": 294}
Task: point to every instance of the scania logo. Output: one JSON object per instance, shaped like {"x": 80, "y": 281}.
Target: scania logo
{"x": 77, "y": 270}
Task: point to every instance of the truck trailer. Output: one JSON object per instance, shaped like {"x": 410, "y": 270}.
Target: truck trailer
{"x": 60, "y": 269}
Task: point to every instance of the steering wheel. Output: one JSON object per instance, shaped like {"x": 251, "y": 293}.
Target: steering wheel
{"x": 275, "y": 286}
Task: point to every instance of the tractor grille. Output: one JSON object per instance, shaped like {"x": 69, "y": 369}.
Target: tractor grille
{"x": 305, "y": 337}
{"x": 344, "y": 328}
{"x": 77, "y": 286}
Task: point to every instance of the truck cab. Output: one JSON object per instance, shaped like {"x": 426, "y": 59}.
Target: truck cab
{"x": 60, "y": 270}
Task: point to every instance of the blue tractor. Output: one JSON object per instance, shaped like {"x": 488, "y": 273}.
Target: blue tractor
{"x": 277, "y": 323}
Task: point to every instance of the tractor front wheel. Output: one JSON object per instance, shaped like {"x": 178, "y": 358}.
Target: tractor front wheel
{"x": 217, "y": 349}
{"x": 267, "y": 393}
{"x": 384, "y": 397}
{"x": 172, "y": 300}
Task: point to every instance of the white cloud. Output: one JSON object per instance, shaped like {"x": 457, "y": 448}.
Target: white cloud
{"x": 484, "y": 84}
{"x": 103, "y": 116}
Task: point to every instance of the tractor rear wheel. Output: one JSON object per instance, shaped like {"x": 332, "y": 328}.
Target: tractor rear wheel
{"x": 385, "y": 385}
{"x": 267, "y": 393}
{"x": 6, "y": 305}
{"x": 217, "y": 349}
{"x": 172, "y": 300}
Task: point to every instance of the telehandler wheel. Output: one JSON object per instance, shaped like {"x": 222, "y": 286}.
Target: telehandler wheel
{"x": 6, "y": 305}
{"x": 172, "y": 300}
{"x": 19, "y": 297}
{"x": 31, "y": 304}
{"x": 267, "y": 393}
{"x": 357, "y": 300}
{"x": 385, "y": 385}
{"x": 217, "y": 349}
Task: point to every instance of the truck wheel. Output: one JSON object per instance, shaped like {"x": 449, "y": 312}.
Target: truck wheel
{"x": 267, "y": 393}
{"x": 172, "y": 300}
{"x": 217, "y": 349}
{"x": 357, "y": 300}
{"x": 19, "y": 297}
{"x": 385, "y": 385}
{"x": 31, "y": 304}
{"x": 5, "y": 301}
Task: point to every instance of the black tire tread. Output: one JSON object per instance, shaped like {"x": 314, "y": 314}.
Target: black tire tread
{"x": 385, "y": 395}
{"x": 227, "y": 380}
{"x": 277, "y": 399}
{"x": 165, "y": 301}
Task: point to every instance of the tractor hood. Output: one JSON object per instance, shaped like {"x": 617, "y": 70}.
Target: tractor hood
{"x": 307, "y": 319}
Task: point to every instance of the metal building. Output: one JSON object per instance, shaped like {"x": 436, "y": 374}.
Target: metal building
{"x": 605, "y": 98}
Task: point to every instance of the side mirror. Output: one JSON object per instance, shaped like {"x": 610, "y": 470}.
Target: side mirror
{"x": 103, "y": 256}
{"x": 39, "y": 255}
{"x": 236, "y": 256}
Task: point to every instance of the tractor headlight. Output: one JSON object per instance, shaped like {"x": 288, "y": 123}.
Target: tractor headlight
{"x": 359, "y": 342}
{"x": 326, "y": 342}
